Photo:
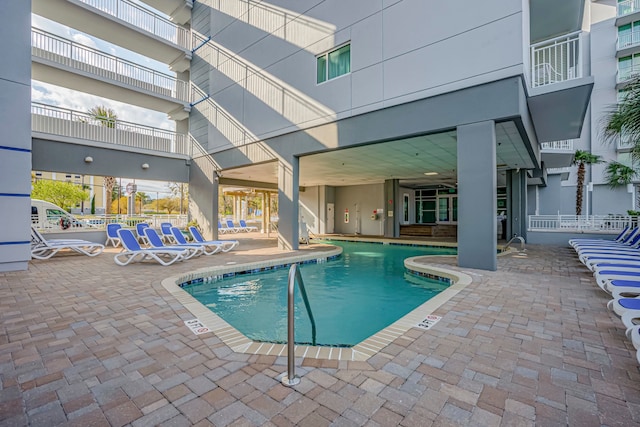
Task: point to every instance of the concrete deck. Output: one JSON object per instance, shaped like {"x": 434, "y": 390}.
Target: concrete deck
{"x": 84, "y": 342}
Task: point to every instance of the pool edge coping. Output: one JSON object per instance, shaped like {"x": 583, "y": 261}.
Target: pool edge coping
{"x": 362, "y": 351}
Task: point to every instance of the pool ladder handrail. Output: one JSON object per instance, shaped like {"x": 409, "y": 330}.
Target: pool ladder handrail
{"x": 295, "y": 277}
{"x": 515, "y": 237}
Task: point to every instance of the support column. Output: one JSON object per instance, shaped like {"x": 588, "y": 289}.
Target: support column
{"x": 15, "y": 143}
{"x": 203, "y": 196}
{"x": 477, "y": 228}
{"x": 391, "y": 200}
{"x": 288, "y": 204}
{"x": 516, "y": 203}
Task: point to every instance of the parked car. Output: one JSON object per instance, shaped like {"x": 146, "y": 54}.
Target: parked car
{"x": 47, "y": 216}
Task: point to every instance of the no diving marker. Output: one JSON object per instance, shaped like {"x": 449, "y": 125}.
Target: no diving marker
{"x": 429, "y": 321}
{"x": 196, "y": 326}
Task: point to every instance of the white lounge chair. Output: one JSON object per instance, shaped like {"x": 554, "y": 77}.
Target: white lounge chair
{"x": 42, "y": 248}
{"x": 227, "y": 245}
{"x": 134, "y": 252}
{"x": 232, "y": 227}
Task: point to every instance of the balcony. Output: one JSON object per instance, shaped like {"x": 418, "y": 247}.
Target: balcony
{"x": 624, "y": 143}
{"x": 628, "y": 39}
{"x": 626, "y": 74}
{"x": 557, "y": 154}
{"x": 104, "y": 70}
{"x": 125, "y": 24}
{"x": 556, "y": 60}
{"x": 628, "y": 7}
{"x": 76, "y": 125}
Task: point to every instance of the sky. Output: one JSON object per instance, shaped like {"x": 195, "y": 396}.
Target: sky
{"x": 67, "y": 98}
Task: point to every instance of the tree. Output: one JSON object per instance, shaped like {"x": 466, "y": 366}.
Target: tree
{"x": 142, "y": 199}
{"x": 181, "y": 191}
{"x": 64, "y": 194}
{"x": 107, "y": 118}
{"x": 618, "y": 174}
{"x": 582, "y": 158}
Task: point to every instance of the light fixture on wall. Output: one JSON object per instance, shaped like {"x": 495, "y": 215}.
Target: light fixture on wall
{"x": 145, "y": 166}
{"x": 88, "y": 159}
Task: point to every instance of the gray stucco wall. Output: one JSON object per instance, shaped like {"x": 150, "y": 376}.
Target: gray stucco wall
{"x": 263, "y": 68}
{"x": 361, "y": 201}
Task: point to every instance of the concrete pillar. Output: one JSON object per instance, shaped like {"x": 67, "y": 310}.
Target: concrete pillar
{"x": 288, "y": 204}
{"x": 477, "y": 228}
{"x": 391, "y": 214}
{"x": 203, "y": 196}
{"x": 263, "y": 208}
{"x": 516, "y": 203}
{"x": 15, "y": 141}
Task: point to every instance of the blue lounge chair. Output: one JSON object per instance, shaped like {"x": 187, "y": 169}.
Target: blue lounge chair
{"x": 155, "y": 241}
{"x": 626, "y": 232}
{"x": 140, "y": 231}
{"x": 231, "y": 227}
{"x": 134, "y": 252}
{"x": 227, "y": 245}
{"x": 112, "y": 235}
{"x": 627, "y": 308}
{"x": 247, "y": 228}
{"x": 222, "y": 229}
{"x": 165, "y": 229}
{"x": 211, "y": 248}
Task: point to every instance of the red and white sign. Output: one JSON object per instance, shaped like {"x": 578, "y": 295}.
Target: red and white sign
{"x": 196, "y": 326}
{"x": 429, "y": 321}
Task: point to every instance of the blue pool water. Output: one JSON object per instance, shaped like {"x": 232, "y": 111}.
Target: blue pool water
{"x": 351, "y": 298}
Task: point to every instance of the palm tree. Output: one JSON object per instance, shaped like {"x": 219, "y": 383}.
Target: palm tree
{"x": 582, "y": 158}
{"x": 107, "y": 118}
{"x": 104, "y": 115}
{"x": 618, "y": 174}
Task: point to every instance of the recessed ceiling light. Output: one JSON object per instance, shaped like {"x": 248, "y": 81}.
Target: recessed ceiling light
{"x": 431, "y": 173}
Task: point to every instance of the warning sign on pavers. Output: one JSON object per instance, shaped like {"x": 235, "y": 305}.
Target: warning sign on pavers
{"x": 429, "y": 321}
{"x": 196, "y": 326}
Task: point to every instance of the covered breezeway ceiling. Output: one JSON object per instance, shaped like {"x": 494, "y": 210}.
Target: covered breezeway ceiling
{"x": 406, "y": 159}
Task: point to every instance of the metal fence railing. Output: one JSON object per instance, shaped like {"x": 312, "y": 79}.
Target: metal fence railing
{"x": 76, "y": 124}
{"x": 628, "y": 6}
{"x": 582, "y": 223}
{"x": 52, "y": 222}
{"x": 556, "y": 60}
{"x": 69, "y": 53}
{"x": 144, "y": 19}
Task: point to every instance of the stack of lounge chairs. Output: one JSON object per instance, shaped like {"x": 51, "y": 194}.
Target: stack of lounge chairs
{"x": 167, "y": 247}
{"x": 616, "y": 267}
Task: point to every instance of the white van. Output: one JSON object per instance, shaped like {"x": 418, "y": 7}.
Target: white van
{"x": 47, "y": 216}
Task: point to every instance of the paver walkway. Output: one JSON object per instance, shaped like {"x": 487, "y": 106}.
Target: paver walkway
{"x": 84, "y": 342}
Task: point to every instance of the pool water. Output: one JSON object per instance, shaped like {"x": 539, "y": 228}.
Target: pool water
{"x": 352, "y": 297}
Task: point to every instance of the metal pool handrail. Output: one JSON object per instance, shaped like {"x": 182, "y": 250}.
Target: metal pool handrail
{"x": 295, "y": 277}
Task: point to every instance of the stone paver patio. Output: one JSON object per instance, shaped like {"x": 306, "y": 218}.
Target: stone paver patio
{"x": 84, "y": 342}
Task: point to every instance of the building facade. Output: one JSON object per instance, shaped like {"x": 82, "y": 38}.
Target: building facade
{"x": 365, "y": 116}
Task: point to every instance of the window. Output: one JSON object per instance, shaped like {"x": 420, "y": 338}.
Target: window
{"x": 334, "y": 64}
{"x": 628, "y": 67}
{"x": 405, "y": 208}
{"x": 629, "y": 35}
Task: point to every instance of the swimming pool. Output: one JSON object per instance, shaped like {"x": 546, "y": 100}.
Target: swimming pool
{"x": 352, "y": 298}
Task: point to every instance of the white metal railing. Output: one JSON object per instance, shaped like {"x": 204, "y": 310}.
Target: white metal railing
{"x": 52, "y": 222}
{"x": 556, "y": 60}
{"x": 624, "y": 142}
{"x": 66, "y": 52}
{"x": 581, "y": 223}
{"x": 627, "y": 7}
{"x": 554, "y": 171}
{"x": 144, "y": 19}
{"x": 564, "y": 145}
{"x": 628, "y": 39}
{"x": 76, "y": 124}
{"x": 627, "y": 73}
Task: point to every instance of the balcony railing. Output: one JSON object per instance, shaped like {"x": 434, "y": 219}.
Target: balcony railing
{"x": 628, "y": 39}
{"x": 581, "y": 223}
{"x": 556, "y": 171}
{"x": 556, "y": 60}
{"x": 627, "y": 73}
{"x": 564, "y": 145}
{"x": 624, "y": 143}
{"x": 628, "y": 7}
{"x": 76, "y": 124}
{"x": 144, "y": 19}
{"x": 69, "y": 53}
